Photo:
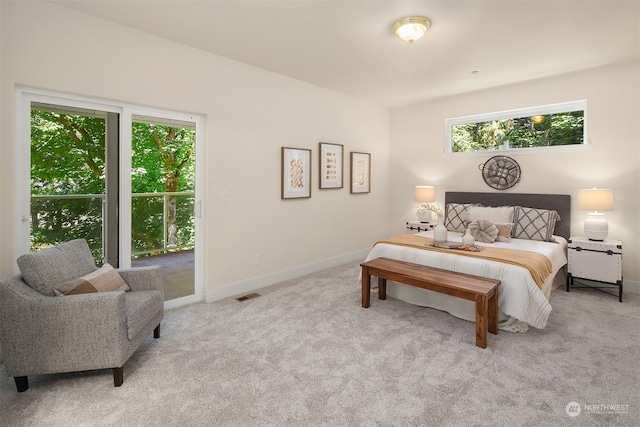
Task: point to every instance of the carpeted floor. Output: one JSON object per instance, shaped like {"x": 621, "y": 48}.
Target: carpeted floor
{"x": 306, "y": 354}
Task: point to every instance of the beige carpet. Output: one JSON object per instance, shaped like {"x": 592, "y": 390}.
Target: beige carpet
{"x": 306, "y": 354}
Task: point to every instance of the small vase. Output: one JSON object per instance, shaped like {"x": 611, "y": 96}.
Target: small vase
{"x": 440, "y": 232}
{"x": 468, "y": 239}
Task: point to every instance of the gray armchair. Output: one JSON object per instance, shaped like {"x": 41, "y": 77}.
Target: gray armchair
{"x": 41, "y": 333}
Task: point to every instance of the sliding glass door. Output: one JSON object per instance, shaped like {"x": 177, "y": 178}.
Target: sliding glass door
{"x": 163, "y": 199}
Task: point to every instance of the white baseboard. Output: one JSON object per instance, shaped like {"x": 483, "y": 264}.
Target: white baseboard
{"x": 250, "y": 285}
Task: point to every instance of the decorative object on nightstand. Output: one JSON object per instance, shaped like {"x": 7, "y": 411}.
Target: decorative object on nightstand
{"x": 598, "y": 261}
{"x": 425, "y": 195}
{"x": 595, "y": 200}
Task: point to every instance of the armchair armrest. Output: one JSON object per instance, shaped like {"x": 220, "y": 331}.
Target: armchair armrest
{"x": 143, "y": 278}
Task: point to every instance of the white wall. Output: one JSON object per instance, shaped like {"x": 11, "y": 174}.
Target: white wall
{"x": 611, "y": 161}
{"x": 249, "y": 114}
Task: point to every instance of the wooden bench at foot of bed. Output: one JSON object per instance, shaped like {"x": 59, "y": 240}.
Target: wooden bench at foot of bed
{"x": 479, "y": 289}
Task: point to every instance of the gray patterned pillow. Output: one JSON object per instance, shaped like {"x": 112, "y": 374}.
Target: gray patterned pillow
{"x": 534, "y": 224}
{"x": 455, "y": 216}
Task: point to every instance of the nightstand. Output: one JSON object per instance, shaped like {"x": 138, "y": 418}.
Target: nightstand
{"x": 596, "y": 261}
{"x": 417, "y": 226}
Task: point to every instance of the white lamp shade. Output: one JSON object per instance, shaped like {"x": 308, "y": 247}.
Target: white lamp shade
{"x": 424, "y": 193}
{"x": 595, "y": 199}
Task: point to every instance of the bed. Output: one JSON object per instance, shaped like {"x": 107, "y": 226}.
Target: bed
{"x": 524, "y": 296}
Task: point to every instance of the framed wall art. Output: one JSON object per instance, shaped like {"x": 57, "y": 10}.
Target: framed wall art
{"x": 360, "y": 172}
{"x": 296, "y": 173}
{"x": 331, "y": 165}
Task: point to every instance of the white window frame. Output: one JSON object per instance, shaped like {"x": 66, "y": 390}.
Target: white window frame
{"x": 541, "y": 110}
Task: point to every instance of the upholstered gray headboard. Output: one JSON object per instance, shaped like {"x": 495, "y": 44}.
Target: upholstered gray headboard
{"x": 561, "y": 203}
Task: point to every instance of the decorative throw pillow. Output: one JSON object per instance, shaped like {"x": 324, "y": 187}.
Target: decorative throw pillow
{"x": 504, "y": 232}
{"x": 534, "y": 224}
{"x": 497, "y": 215}
{"x": 104, "y": 279}
{"x": 455, "y": 216}
{"x": 483, "y": 230}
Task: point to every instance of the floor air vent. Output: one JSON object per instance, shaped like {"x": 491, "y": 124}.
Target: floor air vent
{"x": 248, "y": 296}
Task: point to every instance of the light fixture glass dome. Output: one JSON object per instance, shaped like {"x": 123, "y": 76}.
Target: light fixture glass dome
{"x": 411, "y": 28}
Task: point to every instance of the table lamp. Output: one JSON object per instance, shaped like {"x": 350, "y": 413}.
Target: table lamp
{"x": 424, "y": 194}
{"x": 595, "y": 200}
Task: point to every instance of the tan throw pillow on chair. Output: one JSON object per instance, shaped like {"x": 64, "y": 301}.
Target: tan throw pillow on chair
{"x": 104, "y": 279}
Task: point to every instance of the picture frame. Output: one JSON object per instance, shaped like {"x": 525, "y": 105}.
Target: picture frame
{"x": 360, "y": 172}
{"x": 331, "y": 165}
{"x": 295, "y": 173}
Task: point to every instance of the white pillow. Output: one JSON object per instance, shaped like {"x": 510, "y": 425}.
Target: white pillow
{"x": 499, "y": 215}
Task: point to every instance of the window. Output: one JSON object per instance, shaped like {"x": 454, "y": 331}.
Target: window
{"x": 528, "y": 128}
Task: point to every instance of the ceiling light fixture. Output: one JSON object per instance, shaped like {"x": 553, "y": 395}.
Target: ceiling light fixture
{"x": 411, "y": 28}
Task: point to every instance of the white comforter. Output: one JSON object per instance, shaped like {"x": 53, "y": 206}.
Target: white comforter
{"x": 520, "y": 297}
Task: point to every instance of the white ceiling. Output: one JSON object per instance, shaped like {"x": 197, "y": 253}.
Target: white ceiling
{"x": 348, "y": 46}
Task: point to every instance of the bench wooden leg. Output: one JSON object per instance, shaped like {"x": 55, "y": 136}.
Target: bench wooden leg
{"x": 366, "y": 288}
{"x": 482, "y": 307}
{"x": 382, "y": 288}
{"x": 493, "y": 311}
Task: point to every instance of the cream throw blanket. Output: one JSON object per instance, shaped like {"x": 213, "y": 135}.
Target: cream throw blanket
{"x": 538, "y": 265}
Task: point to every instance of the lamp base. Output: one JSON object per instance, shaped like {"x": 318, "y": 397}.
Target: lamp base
{"x": 424, "y": 215}
{"x": 596, "y": 227}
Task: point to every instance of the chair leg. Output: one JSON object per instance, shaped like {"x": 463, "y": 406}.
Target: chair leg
{"x": 118, "y": 376}
{"x": 156, "y": 331}
{"x": 22, "y": 383}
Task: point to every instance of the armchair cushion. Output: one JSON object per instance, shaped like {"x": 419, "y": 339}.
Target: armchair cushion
{"x": 45, "y": 269}
{"x": 105, "y": 279}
